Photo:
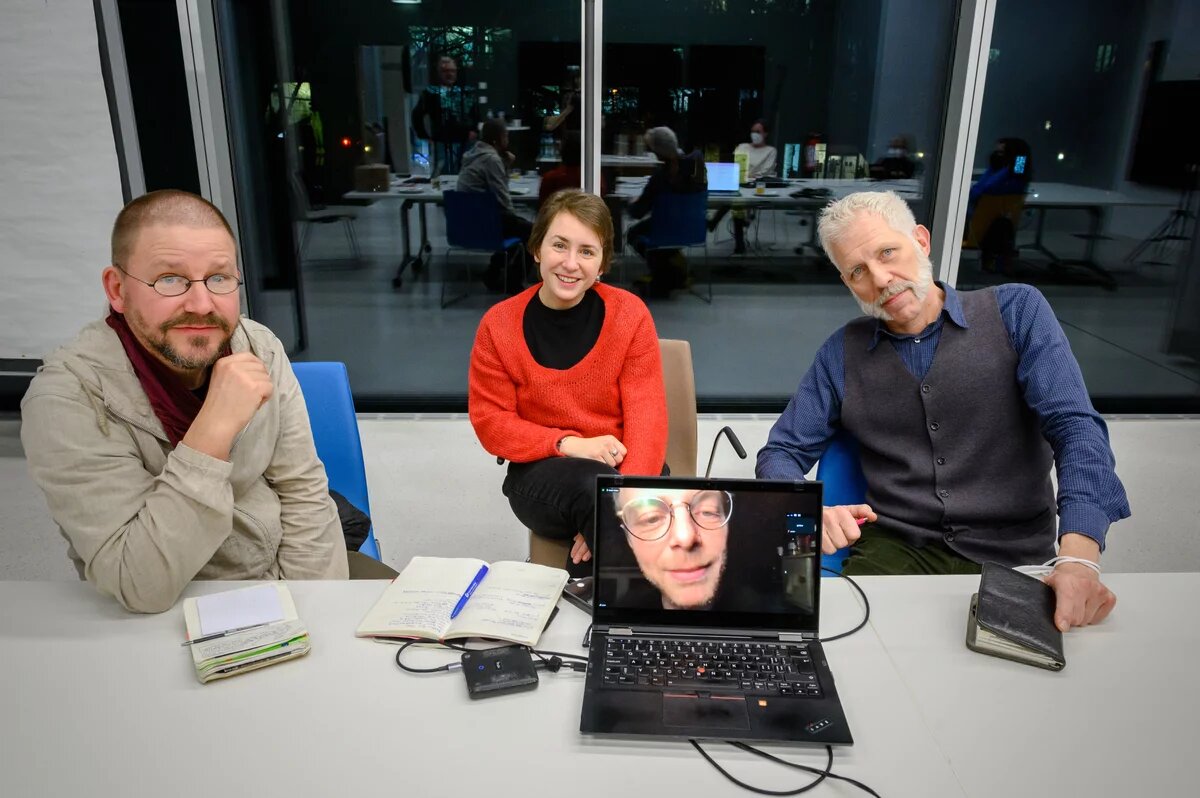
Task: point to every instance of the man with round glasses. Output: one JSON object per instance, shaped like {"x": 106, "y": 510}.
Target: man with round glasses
{"x": 679, "y": 540}
{"x": 171, "y": 439}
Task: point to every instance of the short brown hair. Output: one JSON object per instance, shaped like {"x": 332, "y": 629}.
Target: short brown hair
{"x": 587, "y": 208}
{"x": 167, "y": 206}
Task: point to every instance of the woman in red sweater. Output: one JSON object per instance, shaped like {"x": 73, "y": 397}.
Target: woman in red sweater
{"x": 566, "y": 381}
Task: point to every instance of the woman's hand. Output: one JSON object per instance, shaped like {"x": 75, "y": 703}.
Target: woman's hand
{"x": 605, "y": 448}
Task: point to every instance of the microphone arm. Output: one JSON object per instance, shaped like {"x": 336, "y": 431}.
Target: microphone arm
{"x": 733, "y": 441}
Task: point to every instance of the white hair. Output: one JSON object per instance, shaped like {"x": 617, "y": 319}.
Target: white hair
{"x": 837, "y": 216}
{"x": 662, "y": 142}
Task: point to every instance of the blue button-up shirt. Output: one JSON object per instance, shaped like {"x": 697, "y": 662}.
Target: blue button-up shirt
{"x": 1090, "y": 496}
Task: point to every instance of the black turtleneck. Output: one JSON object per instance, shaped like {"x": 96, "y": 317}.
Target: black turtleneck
{"x": 558, "y": 339}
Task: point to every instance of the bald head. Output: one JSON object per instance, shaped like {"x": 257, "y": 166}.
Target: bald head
{"x": 166, "y": 207}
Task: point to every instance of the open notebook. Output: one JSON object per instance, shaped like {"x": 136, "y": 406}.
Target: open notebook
{"x": 504, "y": 600}
{"x": 236, "y": 631}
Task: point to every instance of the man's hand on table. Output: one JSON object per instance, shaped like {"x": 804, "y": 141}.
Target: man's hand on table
{"x": 1080, "y": 597}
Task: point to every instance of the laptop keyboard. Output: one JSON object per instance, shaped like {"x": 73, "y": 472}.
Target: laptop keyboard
{"x": 775, "y": 668}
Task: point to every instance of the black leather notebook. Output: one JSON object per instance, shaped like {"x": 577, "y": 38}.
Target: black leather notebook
{"x": 1012, "y": 616}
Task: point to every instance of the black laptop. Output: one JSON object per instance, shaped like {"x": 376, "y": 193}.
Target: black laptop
{"x": 706, "y": 603}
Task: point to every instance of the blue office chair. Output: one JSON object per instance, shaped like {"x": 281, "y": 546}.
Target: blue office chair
{"x": 678, "y": 221}
{"x": 841, "y": 471}
{"x": 473, "y": 223}
{"x": 326, "y": 388}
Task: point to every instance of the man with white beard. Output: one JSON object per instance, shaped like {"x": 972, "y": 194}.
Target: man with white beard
{"x": 956, "y": 449}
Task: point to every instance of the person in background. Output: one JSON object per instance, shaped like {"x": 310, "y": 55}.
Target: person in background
{"x": 485, "y": 169}
{"x": 961, "y": 402}
{"x": 445, "y": 115}
{"x": 566, "y": 381}
{"x": 568, "y": 174}
{"x": 897, "y": 164}
{"x": 171, "y": 439}
{"x": 760, "y": 163}
{"x": 1009, "y": 171}
{"x": 676, "y": 173}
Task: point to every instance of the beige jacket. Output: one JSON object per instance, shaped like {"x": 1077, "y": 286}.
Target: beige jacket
{"x": 143, "y": 518}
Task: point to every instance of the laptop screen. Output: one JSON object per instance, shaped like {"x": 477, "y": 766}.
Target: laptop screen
{"x": 694, "y": 552}
{"x": 722, "y": 176}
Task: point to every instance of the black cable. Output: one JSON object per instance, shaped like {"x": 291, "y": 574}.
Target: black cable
{"x": 827, "y": 772}
{"x": 866, "y": 607}
{"x": 820, "y": 777}
{"x": 584, "y": 660}
{"x": 447, "y": 667}
{"x": 553, "y": 664}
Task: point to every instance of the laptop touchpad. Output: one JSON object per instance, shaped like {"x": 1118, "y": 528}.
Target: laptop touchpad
{"x": 713, "y": 712}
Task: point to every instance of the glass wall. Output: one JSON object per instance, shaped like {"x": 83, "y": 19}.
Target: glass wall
{"x": 1085, "y": 187}
{"x": 773, "y": 107}
{"x": 347, "y": 122}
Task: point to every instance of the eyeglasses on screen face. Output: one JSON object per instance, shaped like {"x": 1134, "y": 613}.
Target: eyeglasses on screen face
{"x": 650, "y": 517}
{"x": 177, "y": 285}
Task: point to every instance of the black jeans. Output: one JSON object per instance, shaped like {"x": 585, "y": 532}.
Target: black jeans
{"x": 555, "y": 497}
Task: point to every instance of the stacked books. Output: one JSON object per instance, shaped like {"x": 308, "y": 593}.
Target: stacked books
{"x": 242, "y": 630}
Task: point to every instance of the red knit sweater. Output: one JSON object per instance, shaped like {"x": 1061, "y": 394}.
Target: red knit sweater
{"x": 521, "y": 409}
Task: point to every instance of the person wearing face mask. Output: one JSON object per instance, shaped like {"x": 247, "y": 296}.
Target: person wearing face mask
{"x": 565, "y": 380}
{"x": 760, "y": 162}
{"x": 897, "y": 164}
{"x": 961, "y": 403}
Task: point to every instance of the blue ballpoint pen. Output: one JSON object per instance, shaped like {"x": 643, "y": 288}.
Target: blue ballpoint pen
{"x": 462, "y": 602}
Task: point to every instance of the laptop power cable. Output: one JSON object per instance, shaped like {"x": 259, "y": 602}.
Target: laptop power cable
{"x": 498, "y": 670}
{"x": 821, "y": 773}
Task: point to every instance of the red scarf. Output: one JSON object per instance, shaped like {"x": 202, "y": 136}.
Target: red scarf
{"x": 175, "y": 405}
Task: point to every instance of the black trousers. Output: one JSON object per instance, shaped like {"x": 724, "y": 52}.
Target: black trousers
{"x": 556, "y": 498}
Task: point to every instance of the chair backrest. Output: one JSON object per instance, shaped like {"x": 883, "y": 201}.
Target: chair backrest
{"x": 680, "y": 383}
{"x": 678, "y": 220}
{"x": 841, "y": 472}
{"x": 990, "y": 209}
{"x": 326, "y": 388}
{"x": 472, "y": 220}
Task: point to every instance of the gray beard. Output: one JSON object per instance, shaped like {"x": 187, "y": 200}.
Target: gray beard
{"x": 920, "y": 289}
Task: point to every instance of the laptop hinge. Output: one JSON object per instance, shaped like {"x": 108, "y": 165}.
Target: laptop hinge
{"x": 796, "y": 637}
{"x": 620, "y": 630}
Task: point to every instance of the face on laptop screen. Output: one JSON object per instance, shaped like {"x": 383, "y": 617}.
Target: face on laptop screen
{"x": 722, "y": 176}
{"x": 723, "y": 546}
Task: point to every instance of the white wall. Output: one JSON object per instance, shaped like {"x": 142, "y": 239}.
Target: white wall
{"x": 58, "y": 167}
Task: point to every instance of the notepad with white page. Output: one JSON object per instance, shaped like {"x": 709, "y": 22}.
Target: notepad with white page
{"x": 257, "y": 626}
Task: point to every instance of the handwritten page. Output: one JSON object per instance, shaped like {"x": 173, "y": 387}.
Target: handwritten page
{"x": 248, "y": 640}
{"x": 234, "y": 609}
{"x": 419, "y": 601}
{"x": 513, "y": 603}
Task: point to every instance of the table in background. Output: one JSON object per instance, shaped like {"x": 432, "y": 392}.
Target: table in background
{"x": 100, "y": 702}
{"x": 524, "y": 192}
{"x": 1043, "y": 197}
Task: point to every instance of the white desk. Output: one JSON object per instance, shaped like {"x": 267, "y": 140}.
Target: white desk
{"x": 99, "y": 702}
{"x": 1120, "y": 720}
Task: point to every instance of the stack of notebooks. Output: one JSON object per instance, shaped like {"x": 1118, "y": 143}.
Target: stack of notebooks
{"x": 242, "y": 630}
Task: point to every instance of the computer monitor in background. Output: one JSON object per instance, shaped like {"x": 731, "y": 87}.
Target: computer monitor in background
{"x": 722, "y": 176}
